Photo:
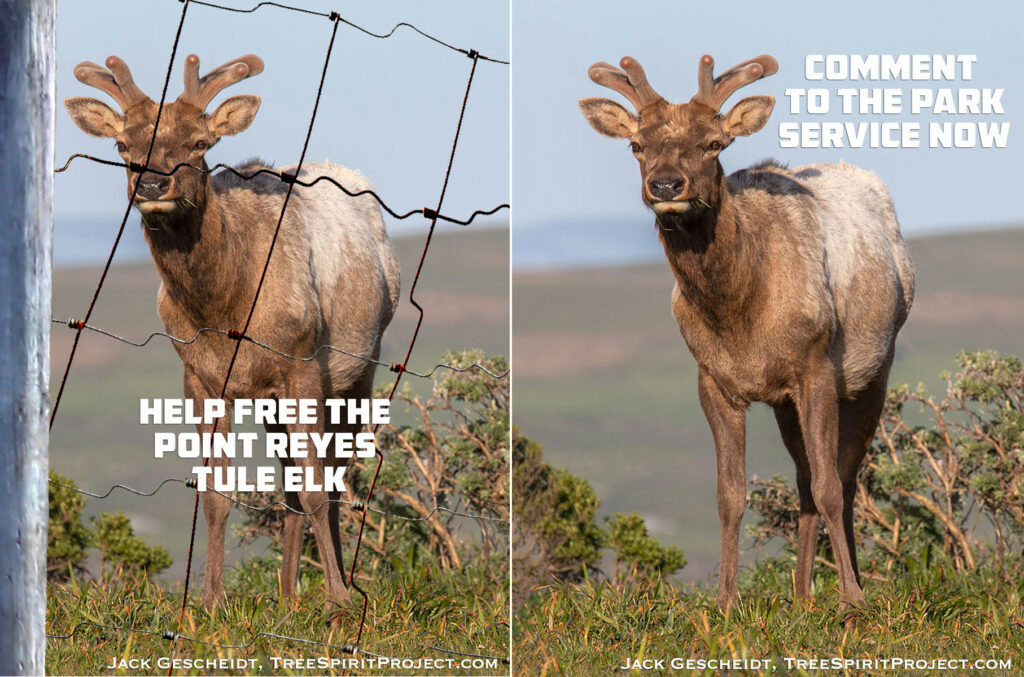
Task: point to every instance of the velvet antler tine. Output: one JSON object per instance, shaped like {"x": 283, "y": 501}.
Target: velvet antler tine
{"x": 123, "y": 77}
{"x": 611, "y": 77}
{"x": 630, "y": 81}
{"x": 645, "y": 93}
{"x": 742, "y": 74}
{"x": 200, "y": 92}
{"x": 117, "y": 82}
{"x": 191, "y": 92}
{"x": 705, "y": 80}
{"x": 715, "y": 92}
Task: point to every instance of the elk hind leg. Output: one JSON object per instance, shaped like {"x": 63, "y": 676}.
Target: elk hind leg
{"x": 858, "y": 421}
{"x": 807, "y": 523}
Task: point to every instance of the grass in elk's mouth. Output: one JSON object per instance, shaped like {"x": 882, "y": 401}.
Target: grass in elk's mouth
{"x": 185, "y": 202}
{"x": 700, "y": 203}
{"x": 661, "y": 226}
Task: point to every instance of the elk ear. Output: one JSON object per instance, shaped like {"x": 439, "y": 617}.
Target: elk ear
{"x": 93, "y": 117}
{"x": 748, "y": 116}
{"x": 608, "y": 118}
{"x": 234, "y": 115}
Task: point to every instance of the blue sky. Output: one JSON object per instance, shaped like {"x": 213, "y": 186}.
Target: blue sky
{"x": 563, "y": 170}
{"x": 389, "y": 107}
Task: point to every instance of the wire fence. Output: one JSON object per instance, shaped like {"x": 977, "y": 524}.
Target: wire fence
{"x": 291, "y": 179}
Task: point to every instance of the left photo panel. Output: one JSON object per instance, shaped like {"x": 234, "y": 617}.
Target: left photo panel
{"x": 279, "y": 364}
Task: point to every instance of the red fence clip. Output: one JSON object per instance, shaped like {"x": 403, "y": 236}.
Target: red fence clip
{"x": 235, "y": 334}
{"x": 76, "y": 324}
{"x": 397, "y": 368}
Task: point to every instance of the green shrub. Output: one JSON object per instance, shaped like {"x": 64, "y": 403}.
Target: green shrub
{"x": 69, "y": 540}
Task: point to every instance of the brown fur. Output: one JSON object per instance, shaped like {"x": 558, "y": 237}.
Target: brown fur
{"x": 333, "y": 279}
{"x": 791, "y": 286}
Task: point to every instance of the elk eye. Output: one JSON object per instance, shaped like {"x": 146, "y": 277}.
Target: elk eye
{"x": 200, "y": 145}
{"x": 121, "y": 147}
{"x": 635, "y": 147}
{"x": 714, "y": 146}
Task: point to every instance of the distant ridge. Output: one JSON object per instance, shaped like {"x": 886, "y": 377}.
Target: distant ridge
{"x": 583, "y": 242}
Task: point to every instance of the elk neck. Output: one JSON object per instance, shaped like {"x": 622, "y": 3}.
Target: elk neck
{"x": 714, "y": 256}
{"x": 200, "y": 258}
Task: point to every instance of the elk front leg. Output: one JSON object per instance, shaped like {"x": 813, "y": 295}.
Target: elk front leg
{"x": 216, "y": 508}
{"x": 728, "y": 426}
{"x": 818, "y": 408}
{"x": 323, "y": 514}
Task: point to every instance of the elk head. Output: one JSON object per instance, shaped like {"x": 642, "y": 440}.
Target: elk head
{"x": 185, "y": 132}
{"x": 677, "y": 146}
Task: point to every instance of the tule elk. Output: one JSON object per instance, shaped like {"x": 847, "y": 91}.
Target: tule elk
{"x": 790, "y": 287}
{"x": 333, "y": 278}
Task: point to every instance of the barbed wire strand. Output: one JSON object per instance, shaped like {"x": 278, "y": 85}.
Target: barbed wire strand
{"x": 392, "y": 366}
{"x": 412, "y": 342}
{"x": 403, "y": 24}
{"x": 255, "y": 300}
{"x": 426, "y": 212}
{"x": 122, "y": 486}
{"x": 358, "y": 506}
{"x": 124, "y": 219}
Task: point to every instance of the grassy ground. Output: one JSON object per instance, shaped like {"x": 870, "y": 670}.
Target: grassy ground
{"x": 605, "y": 383}
{"x": 410, "y": 611}
{"x": 599, "y": 628}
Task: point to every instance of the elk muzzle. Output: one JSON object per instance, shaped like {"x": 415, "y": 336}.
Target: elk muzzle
{"x": 152, "y": 194}
{"x": 668, "y": 194}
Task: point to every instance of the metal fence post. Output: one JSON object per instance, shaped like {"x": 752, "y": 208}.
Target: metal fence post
{"x": 27, "y": 120}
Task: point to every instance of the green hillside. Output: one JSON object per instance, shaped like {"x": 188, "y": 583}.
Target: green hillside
{"x": 604, "y": 381}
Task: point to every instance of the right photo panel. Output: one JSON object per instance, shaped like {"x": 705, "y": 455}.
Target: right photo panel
{"x": 768, "y": 308}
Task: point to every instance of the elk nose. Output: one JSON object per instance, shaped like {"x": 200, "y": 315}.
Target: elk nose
{"x": 665, "y": 188}
{"x": 152, "y": 187}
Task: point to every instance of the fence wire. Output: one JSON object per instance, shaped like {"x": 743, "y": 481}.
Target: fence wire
{"x": 433, "y": 215}
{"x": 288, "y": 178}
{"x": 391, "y": 366}
{"x": 358, "y": 506}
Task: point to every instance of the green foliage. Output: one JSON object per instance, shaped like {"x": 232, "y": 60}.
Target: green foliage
{"x": 122, "y": 553}
{"x": 67, "y": 539}
{"x": 556, "y": 533}
{"x": 125, "y": 553}
{"x": 634, "y": 547}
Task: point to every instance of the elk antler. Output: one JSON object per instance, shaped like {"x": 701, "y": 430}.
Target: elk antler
{"x": 117, "y": 82}
{"x": 631, "y": 81}
{"x": 200, "y": 91}
{"x": 714, "y": 91}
